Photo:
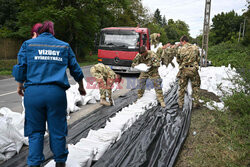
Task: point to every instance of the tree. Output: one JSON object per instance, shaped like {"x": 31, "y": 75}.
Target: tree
{"x": 8, "y": 13}
{"x": 174, "y": 30}
{"x": 76, "y": 21}
{"x": 157, "y": 17}
{"x": 164, "y": 21}
{"x": 225, "y": 27}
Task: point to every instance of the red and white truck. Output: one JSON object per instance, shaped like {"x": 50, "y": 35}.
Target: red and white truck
{"x": 118, "y": 47}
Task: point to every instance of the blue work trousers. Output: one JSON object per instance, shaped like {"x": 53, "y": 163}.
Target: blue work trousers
{"x": 45, "y": 103}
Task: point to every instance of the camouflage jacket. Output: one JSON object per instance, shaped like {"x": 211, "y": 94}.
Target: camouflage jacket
{"x": 154, "y": 39}
{"x": 188, "y": 55}
{"x": 151, "y": 59}
{"x": 104, "y": 70}
{"x": 166, "y": 55}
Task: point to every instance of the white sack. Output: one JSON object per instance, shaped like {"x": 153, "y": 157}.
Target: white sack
{"x": 98, "y": 147}
{"x": 83, "y": 156}
{"x": 11, "y": 141}
{"x": 142, "y": 67}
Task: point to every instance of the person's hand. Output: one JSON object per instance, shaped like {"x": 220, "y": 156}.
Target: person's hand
{"x": 81, "y": 89}
{"x": 168, "y": 44}
{"x": 20, "y": 89}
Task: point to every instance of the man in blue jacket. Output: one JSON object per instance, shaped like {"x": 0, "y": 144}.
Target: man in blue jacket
{"x": 41, "y": 72}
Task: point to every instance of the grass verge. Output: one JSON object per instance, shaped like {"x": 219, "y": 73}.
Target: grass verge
{"x": 88, "y": 60}
{"x": 221, "y": 139}
{"x": 6, "y": 66}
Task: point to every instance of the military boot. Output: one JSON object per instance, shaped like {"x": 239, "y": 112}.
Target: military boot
{"x": 104, "y": 102}
{"x": 163, "y": 104}
{"x": 60, "y": 164}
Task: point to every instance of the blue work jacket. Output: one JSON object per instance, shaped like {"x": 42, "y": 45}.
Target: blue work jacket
{"x": 44, "y": 60}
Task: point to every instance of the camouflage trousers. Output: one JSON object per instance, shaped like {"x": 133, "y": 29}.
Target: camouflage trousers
{"x": 184, "y": 75}
{"x": 156, "y": 79}
{"x": 104, "y": 84}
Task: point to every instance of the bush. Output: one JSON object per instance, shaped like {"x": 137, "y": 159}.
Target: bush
{"x": 230, "y": 53}
{"x": 239, "y": 102}
{"x": 235, "y": 54}
{"x": 238, "y": 99}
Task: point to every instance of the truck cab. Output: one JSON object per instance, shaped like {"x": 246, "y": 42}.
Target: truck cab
{"x": 118, "y": 47}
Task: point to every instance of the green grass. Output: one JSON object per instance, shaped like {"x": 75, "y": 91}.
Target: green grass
{"x": 6, "y": 66}
{"x": 222, "y": 139}
{"x": 5, "y": 72}
{"x": 88, "y": 60}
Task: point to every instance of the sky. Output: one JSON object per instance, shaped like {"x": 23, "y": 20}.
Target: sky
{"x": 192, "y": 11}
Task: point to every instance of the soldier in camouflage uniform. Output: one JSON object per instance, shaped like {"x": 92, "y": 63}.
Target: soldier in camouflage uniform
{"x": 166, "y": 53}
{"x": 155, "y": 38}
{"x": 105, "y": 77}
{"x": 188, "y": 59}
{"x": 150, "y": 59}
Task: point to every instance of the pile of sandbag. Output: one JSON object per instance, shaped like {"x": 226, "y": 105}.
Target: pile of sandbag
{"x": 99, "y": 141}
{"x": 74, "y": 99}
{"x": 11, "y": 130}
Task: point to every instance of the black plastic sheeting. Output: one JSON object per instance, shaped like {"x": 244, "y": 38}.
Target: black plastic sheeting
{"x": 155, "y": 139}
{"x": 79, "y": 129}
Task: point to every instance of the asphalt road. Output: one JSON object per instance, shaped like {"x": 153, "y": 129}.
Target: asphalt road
{"x": 10, "y": 99}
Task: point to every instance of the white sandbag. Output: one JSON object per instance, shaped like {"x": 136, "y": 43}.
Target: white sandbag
{"x": 98, "y": 147}
{"x": 69, "y": 163}
{"x": 127, "y": 117}
{"x": 115, "y": 126}
{"x": 155, "y": 47}
{"x": 118, "y": 123}
{"x": 136, "y": 111}
{"x": 102, "y": 135}
{"x": 11, "y": 141}
{"x": 73, "y": 97}
{"x": 81, "y": 155}
{"x": 142, "y": 67}
{"x": 215, "y": 105}
{"x": 92, "y": 90}
{"x": 17, "y": 118}
{"x": 86, "y": 99}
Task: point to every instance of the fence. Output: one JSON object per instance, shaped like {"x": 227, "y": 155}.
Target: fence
{"x": 9, "y": 48}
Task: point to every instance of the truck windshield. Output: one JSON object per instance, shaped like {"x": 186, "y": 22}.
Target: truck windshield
{"x": 126, "y": 38}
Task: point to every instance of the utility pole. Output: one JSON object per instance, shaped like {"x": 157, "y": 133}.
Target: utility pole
{"x": 205, "y": 33}
{"x": 244, "y": 26}
{"x": 239, "y": 33}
